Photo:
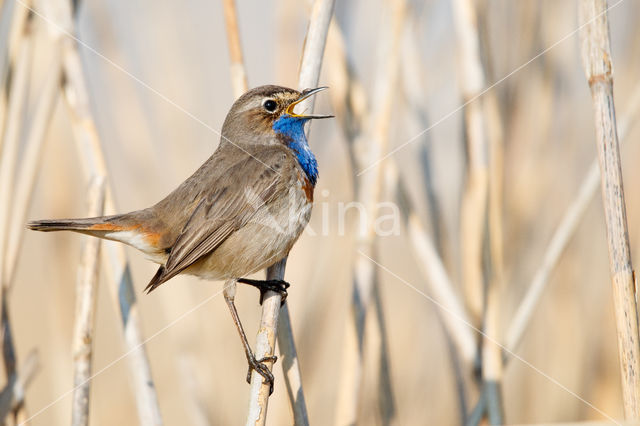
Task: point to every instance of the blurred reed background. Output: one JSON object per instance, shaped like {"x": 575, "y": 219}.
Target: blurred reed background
{"x": 158, "y": 78}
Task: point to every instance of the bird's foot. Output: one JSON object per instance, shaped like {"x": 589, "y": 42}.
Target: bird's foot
{"x": 261, "y": 368}
{"x": 279, "y": 286}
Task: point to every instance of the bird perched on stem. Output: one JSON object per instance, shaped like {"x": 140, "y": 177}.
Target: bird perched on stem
{"x": 240, "y": 212}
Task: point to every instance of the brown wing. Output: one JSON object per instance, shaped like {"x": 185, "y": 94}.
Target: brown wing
{"x": 233, "y": 201}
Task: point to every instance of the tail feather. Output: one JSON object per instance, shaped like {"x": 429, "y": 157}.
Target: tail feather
{"x": 157, "y": 279}
{"x": 50, "y": 225}
{"x": 102, "y": 223}
{"x": 126, "y": 228}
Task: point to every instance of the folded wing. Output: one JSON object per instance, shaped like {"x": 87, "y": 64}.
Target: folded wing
{"x": 232, "y": 202}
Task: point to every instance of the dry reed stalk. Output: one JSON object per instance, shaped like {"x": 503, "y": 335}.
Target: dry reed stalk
{"x": 3, "y": 109}
{"x": 455, "y": 319}
{"x": 39, "y": 122}
{"x": 313, "y": 48}
{"x": 563, "y": 233}
{"x": 8, "y": 21}
{"x": 287, "y": 21}
{"x": 350, "y": 107}
{"x": 492, "y": 357}
{"x": 290, "y": 364}
{"x": 596, "y": 56}
{"x": 122, "y": 290}
{"x": 496, "y": 184}
{"x": 265, "y": 347}
{"x": 430, "y": 249}
{"x": 350, "y": 104}
{"x": 20, "y": 52}
{"x": 30, "y": 163}
{"x": 492, "y": 367}
{"x": 450, "y": 310}
{"x": 474, "y": 199}
{"x": 86, "y": 293}
{"x": 238, "y": 73}
{"x": 310, "y": 65}
{"x": 259, "y": 399}
{"x": 385, "y": 395}
{"x": 18, "y": 408}
{"x": 414, "y": 90}
{"x": 481, "y": 210}
{"x": 291, "y": 368}
{"x": 15, "y": 117}
{"x": 12, "y": 395}
{"x": 19, "y": 17}
{"x": 349, "y": 97}
{"x": 18, "y": 94}
{"x": 238, "y": 83}
{"x": 12, "y": 26}
{"x": 368, "y": 147}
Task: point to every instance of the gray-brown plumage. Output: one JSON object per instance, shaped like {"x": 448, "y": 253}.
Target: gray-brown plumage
{"x": 240, "y": 212}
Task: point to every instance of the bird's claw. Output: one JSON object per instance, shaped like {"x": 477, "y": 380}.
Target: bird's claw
{"x": 278, "y": 286}
{"x": 261, "y": 368}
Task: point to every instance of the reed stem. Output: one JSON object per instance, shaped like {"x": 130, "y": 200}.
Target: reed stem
{"x": 122, "y": 290}
{"x": 596, "y": 56}
{"x": 562, "y": 235}
{"x": 86, "y": 293}
{"x": 312, "y": 55}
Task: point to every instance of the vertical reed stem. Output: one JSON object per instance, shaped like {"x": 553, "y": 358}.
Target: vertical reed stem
{"x": 18, "y": 96}
{"x": 31, "y": 160}
{"x": 291, "y": 368}
{"x": 312, "y": 54}
{"x": 265, "y": 347}
{"x": 290, "y": 365}
{"x": 11, "y": 138}
{"x": 12, "y": 395}
{"x": 596, "y": 56}
{"x": 369, "y": 146}
{"x": 238, "y": 73}
{"x": 86, "y": 292}
{"x": 474, "y": 199}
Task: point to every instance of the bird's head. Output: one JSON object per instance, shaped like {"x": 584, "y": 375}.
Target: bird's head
{"x": 265, "y": 111}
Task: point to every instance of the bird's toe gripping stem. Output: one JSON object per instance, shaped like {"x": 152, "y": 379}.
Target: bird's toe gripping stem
{"x": 262, "y": 369}
{"x": 279, "y": 286}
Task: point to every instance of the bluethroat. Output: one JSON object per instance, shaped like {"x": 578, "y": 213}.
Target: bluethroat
{"x": 240, "y": 212}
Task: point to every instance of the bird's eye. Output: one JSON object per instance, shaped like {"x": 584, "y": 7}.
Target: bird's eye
{"x": 270, "y": 105}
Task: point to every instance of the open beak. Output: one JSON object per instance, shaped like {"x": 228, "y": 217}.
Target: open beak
{"x": 306, "y": 94}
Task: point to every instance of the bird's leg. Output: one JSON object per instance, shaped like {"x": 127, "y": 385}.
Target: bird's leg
{"x": 279, "y": 286}
{"x": 254, "y": 364}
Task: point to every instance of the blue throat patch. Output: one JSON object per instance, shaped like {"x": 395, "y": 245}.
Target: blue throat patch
{"x": 292, "y": 128}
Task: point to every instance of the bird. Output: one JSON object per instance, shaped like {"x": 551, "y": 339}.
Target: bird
{"x": 240, "y": 212}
